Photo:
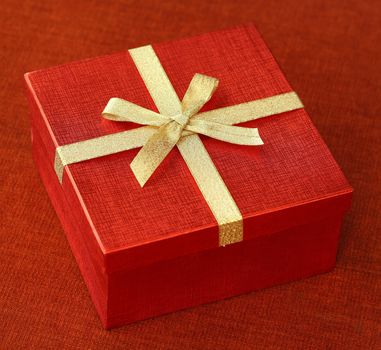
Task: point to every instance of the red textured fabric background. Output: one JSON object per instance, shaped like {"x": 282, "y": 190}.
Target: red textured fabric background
{"x": 330, "y": 53}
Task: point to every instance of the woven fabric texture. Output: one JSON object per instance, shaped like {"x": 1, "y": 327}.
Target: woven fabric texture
{"x": 329, "y": 52}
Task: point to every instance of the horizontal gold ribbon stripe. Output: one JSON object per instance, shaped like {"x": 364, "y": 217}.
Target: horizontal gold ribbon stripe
{"x": 245, "y": 112}
{"x": 100, "y": 146}
{"x": 124, "y": 111}
{"x": 196, "y": 157}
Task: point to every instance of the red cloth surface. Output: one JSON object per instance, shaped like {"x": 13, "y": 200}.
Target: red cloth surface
{"x": 314, "y": 43}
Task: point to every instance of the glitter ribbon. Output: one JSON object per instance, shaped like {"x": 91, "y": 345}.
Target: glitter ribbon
{"x": 178, "y": 123}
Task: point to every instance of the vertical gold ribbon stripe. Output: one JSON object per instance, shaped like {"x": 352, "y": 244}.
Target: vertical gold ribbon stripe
{"x": 213, "y": 188}
{"x": 156, "y": 80}
{"x": 196, "y": 157}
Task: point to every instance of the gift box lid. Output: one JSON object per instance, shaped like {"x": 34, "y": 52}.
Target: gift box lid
{"x": 290, "y": 180}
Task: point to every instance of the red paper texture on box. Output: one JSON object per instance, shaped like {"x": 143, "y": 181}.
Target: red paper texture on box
{"x": 148, "y": 251}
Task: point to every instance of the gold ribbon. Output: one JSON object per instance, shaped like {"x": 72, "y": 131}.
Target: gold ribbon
{"x": 178, "y": 123}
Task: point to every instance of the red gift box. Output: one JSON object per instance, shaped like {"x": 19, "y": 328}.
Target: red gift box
{"x": 152, "y": 250}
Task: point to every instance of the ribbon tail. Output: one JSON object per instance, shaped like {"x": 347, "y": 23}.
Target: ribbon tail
{"x": 155, "y": 150}
{"x": 227, "y": 133}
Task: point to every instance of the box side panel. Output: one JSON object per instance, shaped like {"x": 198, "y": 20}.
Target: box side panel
{"x": 76, "y": 227}
{"x": 259, "y": 225}
{"x": 216, "y": 274}
{"x": 45, "y": 140}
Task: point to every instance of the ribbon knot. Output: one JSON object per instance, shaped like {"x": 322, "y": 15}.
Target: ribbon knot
{"x": 181, "y": 119}
{"x": 170, "y": 129}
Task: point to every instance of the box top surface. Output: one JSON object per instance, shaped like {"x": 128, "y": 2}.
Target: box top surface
{"x": 292, "y": 168}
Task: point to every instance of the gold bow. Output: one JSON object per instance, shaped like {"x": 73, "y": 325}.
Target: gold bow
{"x": 178, "y": 123}
{"x": 172, "y": 127}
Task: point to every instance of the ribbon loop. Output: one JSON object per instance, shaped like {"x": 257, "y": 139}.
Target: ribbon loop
{"x": 199, "y": 92}
{"x": 124, "y": 111}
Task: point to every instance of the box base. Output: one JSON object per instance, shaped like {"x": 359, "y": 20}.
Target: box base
{"x": 123, "y": 297}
